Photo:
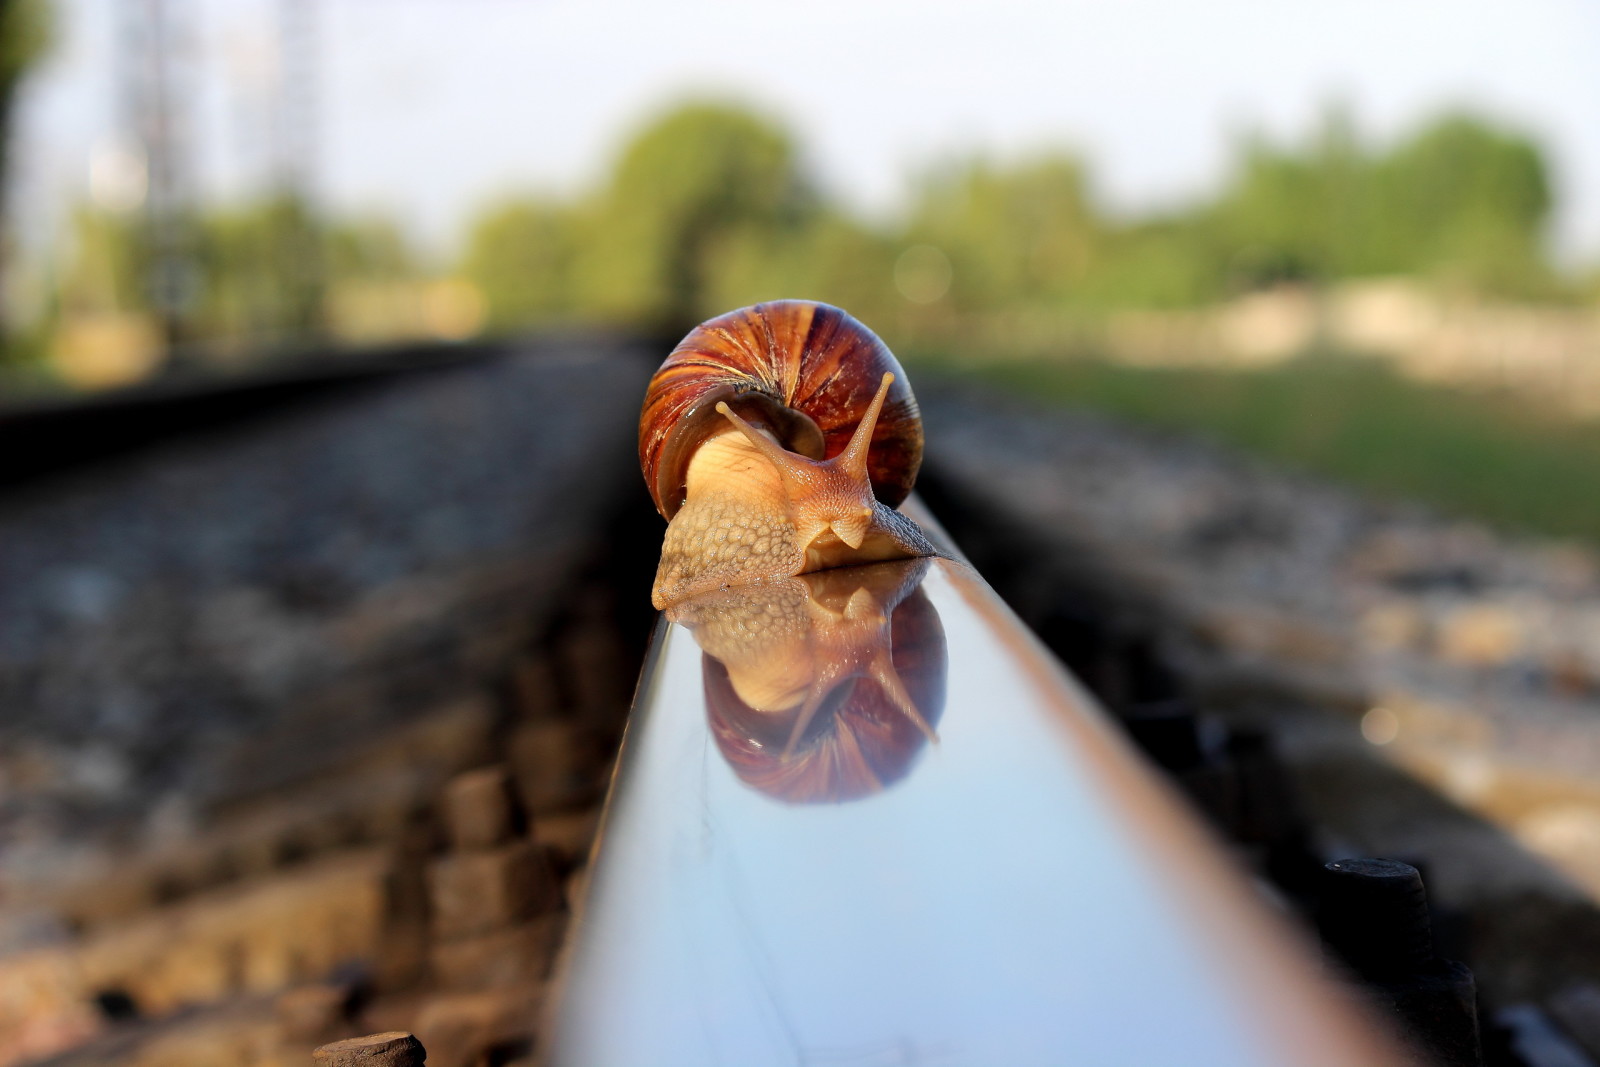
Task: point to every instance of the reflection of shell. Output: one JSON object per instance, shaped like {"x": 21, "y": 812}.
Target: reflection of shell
{"x": 860, "y": 739}
{"x": 806, "y": 371}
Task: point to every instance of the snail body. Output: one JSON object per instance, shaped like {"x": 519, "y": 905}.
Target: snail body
{"x": 777, "y": 440}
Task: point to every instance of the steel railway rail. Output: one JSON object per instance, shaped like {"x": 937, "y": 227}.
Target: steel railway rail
{"x": 1002, "y": 881}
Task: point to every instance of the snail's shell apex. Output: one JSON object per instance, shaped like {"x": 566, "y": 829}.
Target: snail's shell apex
{"x": 804, "y": 370}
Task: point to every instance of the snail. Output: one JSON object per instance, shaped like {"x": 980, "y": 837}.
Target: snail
{"x": 777, "y": 440}
{"x": 825, "y": 687}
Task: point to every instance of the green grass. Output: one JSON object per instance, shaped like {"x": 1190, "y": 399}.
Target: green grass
{"x": 1480, "y": 455}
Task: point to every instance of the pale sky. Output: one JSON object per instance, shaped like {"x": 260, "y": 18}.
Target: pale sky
{"x": 427, "y": 107}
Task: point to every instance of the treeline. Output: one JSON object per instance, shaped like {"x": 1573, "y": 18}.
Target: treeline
{"x": 712, "y": 206}
{"x": 258, "y": 274}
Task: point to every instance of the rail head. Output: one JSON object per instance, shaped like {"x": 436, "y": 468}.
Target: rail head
{"x": 959, "y": 861}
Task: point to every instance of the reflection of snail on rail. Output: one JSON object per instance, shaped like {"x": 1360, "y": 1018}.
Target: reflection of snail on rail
{"x": 823, "y": 687}
{"x": 776, "y": 441}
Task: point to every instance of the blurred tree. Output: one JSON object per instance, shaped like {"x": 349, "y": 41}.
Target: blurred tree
{"x": 101, "y": 276}
{"x": 1023, "y": 235}
{"x": 521, "y": 256}
{"x": 708, "y": 208}
{"x": 697, "y": 180}
{"x": 25, "y": 31}
{"x": 368, "y": 249}
{"x": 1162, "y": 263}
{"x": 255, "y": 288}
{"x": 1459, "y": 200}
{"x": 376, "y": 292}
{"x": 1294, "y": 215}
{"x": 831, "y": 258}
{"x": 1467, "y": 201}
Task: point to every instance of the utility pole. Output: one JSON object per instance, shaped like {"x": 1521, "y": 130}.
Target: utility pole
{"x": 297, "y": 164}
{"x": 149, "y": 95}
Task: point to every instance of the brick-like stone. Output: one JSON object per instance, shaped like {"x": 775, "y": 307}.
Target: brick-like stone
{"x": 519, "y": 955}
{"x": 393, "y": 1049}
{"x": 481, "y": 809}
{"x": 553, "y": 767}
{"x": 479, "y": 892}
{"x": 534, "y": 687}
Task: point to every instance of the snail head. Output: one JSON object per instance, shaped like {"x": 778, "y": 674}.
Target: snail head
{"x": 828, "y": 496}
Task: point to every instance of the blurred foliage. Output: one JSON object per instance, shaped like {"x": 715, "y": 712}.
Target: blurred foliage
{"x": 26, "y": 27}
{"x": 709, "y": 207}
{"x": 1357, "y": 420}
{"x": 372, "y": 248}
{"x": 104, "y": 274}
{"x": 261, "y": 271}
{"x": 25, "y": 32}
{"x": 522, "y": 255}
{"x": 690, "y": 195}
{"x": 702, "y": 180}
{"x": 262, "y": 268}
{"x": 1025, "y": 235}
{"x": 1459, "y": 200}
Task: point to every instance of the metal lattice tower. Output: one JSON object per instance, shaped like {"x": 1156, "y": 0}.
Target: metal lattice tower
{"x": 152, "y": 84}
{"x": 297, "y": 160}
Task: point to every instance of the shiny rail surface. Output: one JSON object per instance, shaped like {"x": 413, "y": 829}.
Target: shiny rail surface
{"x": 951, "y": 859}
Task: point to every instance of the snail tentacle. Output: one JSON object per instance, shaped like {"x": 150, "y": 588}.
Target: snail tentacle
{"x": 830, "y": 495}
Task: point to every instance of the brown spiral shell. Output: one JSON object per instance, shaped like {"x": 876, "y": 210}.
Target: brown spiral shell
{"x": 805, "y": 371}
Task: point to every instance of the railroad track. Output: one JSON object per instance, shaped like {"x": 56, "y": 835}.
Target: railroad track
{"x": 1022, "y": 883}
